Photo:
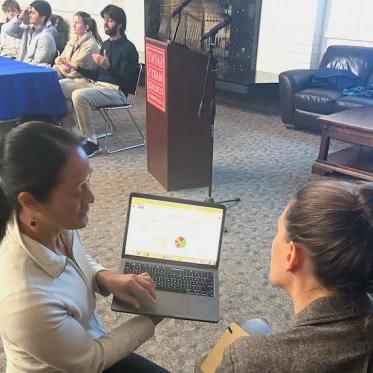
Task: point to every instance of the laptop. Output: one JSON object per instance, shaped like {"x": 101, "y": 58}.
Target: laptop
{"x": 178, "y": 243}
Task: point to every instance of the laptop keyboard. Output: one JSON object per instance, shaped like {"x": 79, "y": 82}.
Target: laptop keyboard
{"x": 177, "y": 280}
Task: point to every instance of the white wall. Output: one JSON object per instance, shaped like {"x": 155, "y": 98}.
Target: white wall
{"x": 289, "y": 37}
{"x": 133, "y": 8}
{"x": 135, "y": 24}
{"x": 293, "y": 33}
{"x": 67, "y": 8}
{"x": 350, "y": 22}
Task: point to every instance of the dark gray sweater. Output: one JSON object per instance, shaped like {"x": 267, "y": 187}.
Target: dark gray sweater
{"x": 123, "y": 59}
{"x": 329, "y": 335}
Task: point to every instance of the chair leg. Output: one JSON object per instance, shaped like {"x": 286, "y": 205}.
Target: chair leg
{"x": 108, "y": 130}
{"x": 136, "y": 125}
{"x": 111, "y": 126}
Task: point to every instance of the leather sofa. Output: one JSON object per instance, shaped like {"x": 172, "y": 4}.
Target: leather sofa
{"x": 302, "y": 103}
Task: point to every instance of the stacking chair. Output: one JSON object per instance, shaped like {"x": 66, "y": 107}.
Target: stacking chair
{"x": 110, "y": 127}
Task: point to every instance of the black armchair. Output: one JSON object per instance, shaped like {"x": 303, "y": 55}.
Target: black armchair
{"x": 302, "y": 103}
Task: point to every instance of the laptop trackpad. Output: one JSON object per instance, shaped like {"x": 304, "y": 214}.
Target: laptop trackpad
{"x": 176, "y": 305}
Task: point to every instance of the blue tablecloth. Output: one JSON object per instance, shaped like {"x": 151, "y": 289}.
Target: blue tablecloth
{"x": 27, "y": 89}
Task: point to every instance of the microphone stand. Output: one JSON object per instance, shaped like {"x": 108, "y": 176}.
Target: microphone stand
{"x": 211, "y": 70}
{"x": 177, "y": 26}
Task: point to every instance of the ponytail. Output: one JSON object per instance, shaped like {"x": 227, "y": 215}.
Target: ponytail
{"x": 95, "y": 32}
{"x": 31, "y": 158}
{"x": 5, "y": 206}
{"x": 5, "y": 212}
{"x": 334, "y": 221}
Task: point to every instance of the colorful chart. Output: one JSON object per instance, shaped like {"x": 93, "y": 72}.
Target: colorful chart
{"x": 180, "y": 242}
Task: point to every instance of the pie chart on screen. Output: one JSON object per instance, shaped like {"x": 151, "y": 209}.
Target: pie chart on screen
{"x": 180, "y": 242}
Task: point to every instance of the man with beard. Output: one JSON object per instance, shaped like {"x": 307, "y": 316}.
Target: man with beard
{"x": 109, "y": 84}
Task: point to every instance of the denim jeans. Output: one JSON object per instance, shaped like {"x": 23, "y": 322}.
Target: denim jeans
{"x": 135, "y": 364}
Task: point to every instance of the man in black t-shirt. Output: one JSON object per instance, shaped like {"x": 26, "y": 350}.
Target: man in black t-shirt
{"x": 109, "y": 84}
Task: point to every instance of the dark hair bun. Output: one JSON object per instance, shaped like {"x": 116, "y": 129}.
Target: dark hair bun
{"x": 334, "y": 221}
{"x": 365, "y": 200}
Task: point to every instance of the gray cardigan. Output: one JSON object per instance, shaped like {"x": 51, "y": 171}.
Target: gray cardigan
{"x": 330, "y": 335}
{"x": 37, "y": 46}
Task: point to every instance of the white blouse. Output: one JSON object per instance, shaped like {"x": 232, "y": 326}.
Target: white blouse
{"x": 47, "y": 310}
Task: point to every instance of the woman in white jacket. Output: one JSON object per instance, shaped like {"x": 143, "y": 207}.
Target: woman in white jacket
{"x": 47, "y": 282}
{"x": 80, "y": 47}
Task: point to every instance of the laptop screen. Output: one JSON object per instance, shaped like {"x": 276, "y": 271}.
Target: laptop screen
{"x": 174, "y": 230}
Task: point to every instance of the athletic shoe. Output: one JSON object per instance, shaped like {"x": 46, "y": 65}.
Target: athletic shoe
{"x": 91, "y": 148}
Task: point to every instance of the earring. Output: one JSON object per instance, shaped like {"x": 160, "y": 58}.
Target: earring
{"x": 33, "y": 223}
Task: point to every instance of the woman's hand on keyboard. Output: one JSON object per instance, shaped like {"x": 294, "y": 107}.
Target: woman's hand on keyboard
{"x": 128, "y": 287}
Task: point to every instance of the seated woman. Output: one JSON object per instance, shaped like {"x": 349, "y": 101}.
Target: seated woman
{"x": 38, "y": 45}
{"x": 322, "y": 257}
{"x": 80, "y": 47}
{"x": 47, "y": 282}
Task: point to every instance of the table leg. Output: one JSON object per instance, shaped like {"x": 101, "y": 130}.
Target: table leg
{"x": 324, "y": 145}
{"x": 318, "y": 167}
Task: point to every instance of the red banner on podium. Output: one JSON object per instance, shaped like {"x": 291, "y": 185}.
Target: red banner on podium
{"x": 156, "y": 76}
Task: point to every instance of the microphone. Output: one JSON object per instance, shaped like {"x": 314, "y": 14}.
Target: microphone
{"x": 180, "y": 8}
{"x": 224, "y": 23}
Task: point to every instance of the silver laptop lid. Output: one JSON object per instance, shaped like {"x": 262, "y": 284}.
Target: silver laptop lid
{"x": 174, "y": 230}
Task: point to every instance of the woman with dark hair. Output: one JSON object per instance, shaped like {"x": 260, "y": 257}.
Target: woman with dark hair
{"x": 38, "y": 44}
{"x": 47, "y": 282}
{"x": 322, "y": 258}
{"x": 80, "y": 48}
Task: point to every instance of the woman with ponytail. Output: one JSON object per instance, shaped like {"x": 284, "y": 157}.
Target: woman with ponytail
{"x": 80, "y": 47}
{"x": 48, "y": 321}
{"x": 322, "y": 258}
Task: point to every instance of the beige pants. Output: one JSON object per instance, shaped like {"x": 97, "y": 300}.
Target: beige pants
{"x": 83, "y": 96}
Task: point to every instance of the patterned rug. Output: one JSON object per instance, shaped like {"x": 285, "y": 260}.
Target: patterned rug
{"x": 256, "y": 159}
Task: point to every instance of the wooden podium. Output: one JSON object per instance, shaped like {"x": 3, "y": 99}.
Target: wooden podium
{"x": 179, "y": 142}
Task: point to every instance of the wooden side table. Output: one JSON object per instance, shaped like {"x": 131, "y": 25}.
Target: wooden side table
{"x": 354, "y": 126}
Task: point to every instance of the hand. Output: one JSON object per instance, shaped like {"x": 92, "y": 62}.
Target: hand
{"x": 69, "y": 64}
{"x": 124, "y": 287}
{"x": 25, "y": 12}
{"x": 102, "y": 61}
{"x": 66, "y": 69}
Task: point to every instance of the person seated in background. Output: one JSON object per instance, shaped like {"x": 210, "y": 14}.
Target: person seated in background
{"x": 80, "y": 47}
{"x": 59, "y": 24}
{"x": 9, "y": 43}
{"x": 38, "y": 45}
{"x": 48, "y": 284}
{"x": 11, "y": 9}
{"x": 322, "y": 258}
{"x": 113, "y": 79}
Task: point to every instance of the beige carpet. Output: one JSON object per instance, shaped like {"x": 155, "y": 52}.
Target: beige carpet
{"x": 256, "y": 159}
